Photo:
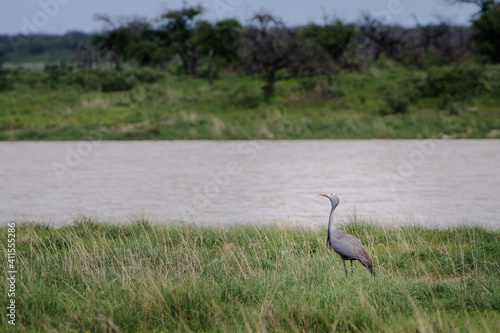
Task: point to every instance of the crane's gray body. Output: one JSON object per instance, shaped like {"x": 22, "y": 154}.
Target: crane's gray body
{"x": 346, "y": 245}
{"x": 349, "y": 248}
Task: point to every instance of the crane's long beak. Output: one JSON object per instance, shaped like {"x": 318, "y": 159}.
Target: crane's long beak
{"x": 324, "y": 195}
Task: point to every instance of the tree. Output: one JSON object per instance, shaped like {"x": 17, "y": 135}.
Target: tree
{"x": 386, "y": 39}
{"x": 270, "y": 47}
{"x": 438, "y": 42}
{"x": 335, "y": 38}
{"x": 85, "y": 54}
{"x": 221, "y": 40}
{"x": 178, "y": 31}
{"x": 115, "y": 41}
{"x": 148, "y": 53}
{"x": 223, "y": 37}
{"x": 146, "y": 49}
{"x": 452, "y": 45}
{"x": 486, "y": 33}
{"x": 428, "y": 34}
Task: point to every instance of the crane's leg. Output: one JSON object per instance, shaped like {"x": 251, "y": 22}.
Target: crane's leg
{"x": 352, "y": 272}
{"x": 343, "y": 260}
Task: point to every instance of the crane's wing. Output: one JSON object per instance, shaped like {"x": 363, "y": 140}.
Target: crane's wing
{"x": 349, "y": 247}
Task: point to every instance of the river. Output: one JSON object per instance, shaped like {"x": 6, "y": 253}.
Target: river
{"x": 392, "y": 182}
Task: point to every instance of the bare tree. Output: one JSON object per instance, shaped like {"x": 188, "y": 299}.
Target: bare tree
{"x": 428, "y": 34}
{"x": 443, "y": 40}
{"x": 453, "y": 44}
{"x": 269, "y": 46}
{"x": 85, "y": 54}
{"x": 386, "y": 39}
{"x": 116, "y": 39}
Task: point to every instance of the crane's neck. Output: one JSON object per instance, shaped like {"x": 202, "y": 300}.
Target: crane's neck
{"x": 331, "y": 225}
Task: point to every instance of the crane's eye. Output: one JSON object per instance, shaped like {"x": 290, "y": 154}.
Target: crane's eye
{"x": 331, "y": 193}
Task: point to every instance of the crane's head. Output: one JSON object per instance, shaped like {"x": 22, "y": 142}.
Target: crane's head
{"x": 334, "y": 199}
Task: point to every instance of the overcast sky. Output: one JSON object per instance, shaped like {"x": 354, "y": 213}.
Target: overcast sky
{"x": 60, "y": 16}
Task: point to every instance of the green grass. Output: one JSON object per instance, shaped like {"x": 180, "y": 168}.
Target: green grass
{"x": 180, "y": 107}
{"x": 144, "y": 277}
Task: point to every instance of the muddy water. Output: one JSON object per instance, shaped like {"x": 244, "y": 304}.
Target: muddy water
{"x": 441, "y": 182}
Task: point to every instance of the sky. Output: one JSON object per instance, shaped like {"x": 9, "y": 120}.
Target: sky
{"x": 60, "y": 16}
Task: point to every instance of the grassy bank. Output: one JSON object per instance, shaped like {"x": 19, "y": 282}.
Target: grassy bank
{"x": 380, "y": 102}
{"x": 101, "y": 277}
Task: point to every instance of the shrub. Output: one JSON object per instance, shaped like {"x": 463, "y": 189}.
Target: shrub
{"x": 55, "y": 77}
{"x": 86, "y": 79}
{"x": 454, "y": 108}
{"x": 451, "y": 105}
{"x": 6, "y": 80}
{"x": 30, "y": 78}
{"x": 416, "y": 86}
{"x": 114, "y": 81}
{"x": 336, "y": 93}
{"x": 147, "y": 75}
{"x": 203, "y": 71}
{"x": 246, "y": 97}
{"x": 395, "y": 104}
{"x": 456, "y": 81}
{"x": 308, "y": 84}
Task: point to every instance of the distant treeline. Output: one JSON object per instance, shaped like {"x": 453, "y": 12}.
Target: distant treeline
{"x": 48, "y": 49}
{"x": 265, "y": 46}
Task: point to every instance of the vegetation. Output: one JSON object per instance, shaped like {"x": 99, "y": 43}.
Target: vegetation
{"x": 21, "y": 50}
{"x": 183, "y": 35}
{"x": 145, "y": 79}
{"x": 384, "y": 101}
{"x": 143, "y": 277}
{"x": 486, "y": 30}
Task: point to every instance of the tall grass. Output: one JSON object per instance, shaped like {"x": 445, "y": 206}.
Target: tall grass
{"x": 145, "y": 277}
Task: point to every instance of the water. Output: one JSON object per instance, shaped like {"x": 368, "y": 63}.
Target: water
{"x": 433, "y": 183}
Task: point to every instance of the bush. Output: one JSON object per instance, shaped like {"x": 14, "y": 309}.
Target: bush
{"x": 246, "y": 97}
{"x": 336, "y": 93}
{"x": 395, "y": 104}
{"x": 456, "y": 81}
{"x": 454, "y": 108}
{"x": 415, "y": 86}
{"x": 147, "y": 75}
{"x": 175, "y": 68}
{"x": 320, "y": 89}
{"x": 86, "y": 79}
{"x": 114, "y": 81}
{"x": 451, "y": 105}
{"x": 308, "y": 84}
{"x": 203, "y": 71}
{"x": 30, "y": 78}
{"x": 6, "y": 80}
{"x": 62, "y": 76}
{"x": 55, "y": 77}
